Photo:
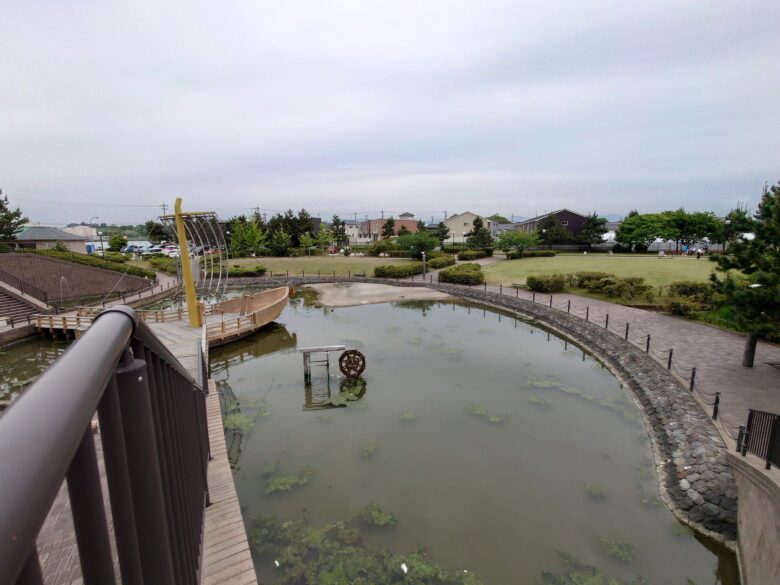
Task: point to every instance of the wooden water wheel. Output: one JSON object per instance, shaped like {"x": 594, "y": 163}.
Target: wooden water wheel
{"x": 352, "y": 363}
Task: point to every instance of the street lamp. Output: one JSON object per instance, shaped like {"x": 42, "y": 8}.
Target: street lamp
{"x": 423, "y": 259}
{"x": 102, "y": 252}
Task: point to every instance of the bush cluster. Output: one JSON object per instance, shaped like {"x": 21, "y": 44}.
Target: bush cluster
{"x": 115, "y": 257}
{"x": 399, "y": 253}
{"x": 164, "y": 263}
{"x": 700, "y": 292}
{"x": 589, "y": 280}
{"x": 398, "y": 270}
{"x": 469, "y": 273}
{"x": 547, "y": 283}
{"x": 238, "y": 270}
{"x": 629, "y": 287}
{"x": 683, "y": 307}
{"x": 441, "y": 262}
{"x": 471, "y": 254}
{"x": 379, "y": 247}
{"x": 532, "y": 254}
{"x": 95, "y": 261}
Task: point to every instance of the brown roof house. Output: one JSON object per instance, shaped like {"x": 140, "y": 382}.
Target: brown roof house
{"x": 371, "y": 229}
{"x": 571, "y": 220}
{"x": 37, "y": 237}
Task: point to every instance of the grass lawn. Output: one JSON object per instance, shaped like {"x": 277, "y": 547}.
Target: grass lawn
{"x": 325, "y": 264}
{"x": 656, "y": 272}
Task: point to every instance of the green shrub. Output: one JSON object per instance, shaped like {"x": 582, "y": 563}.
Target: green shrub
{"x": 115, "y": 257}
{"x": 95, "y": 261}
{"x": 463, "y": 274}
{"x": 471, "y": 254}
{"x": 698, "y": 291}
{"x": 379, "y": 247}
{"x": 4, "y": 248}
{"x": 628, "y": 287}
{"x": 547, "y": 283}
{"x": 683, "y": 307}
{"x": 532, "y": 254}
{"x": 238, "y": 270}
{"x": 399, "y": 253}
{"x": 441, "y": 262}
{"x": 164, "y": 263}
{"x": 590, "y": 280}
{"x": 398, "y": 270}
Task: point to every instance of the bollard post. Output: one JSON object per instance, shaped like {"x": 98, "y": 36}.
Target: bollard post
{"x": 647, "y": 348}
{"x": 568, "y": 306}
{"x": 517, "y": 293}
{"x": 551, "y": 301}
{"x": 431, "y": 278}
{"x": 587, "y": 314}
{"x": 693, "y": 381}
{"x": 606, "y": 322}
{"x": 533, "y": 297}
{"x": 715, "y": 406}
{"x": 500, "y": 288}
{"x": 349, "y": 274}
{"x": 486, "y": 287}
{"x": 626, "y": 330}
{"x": 669, "y": 364}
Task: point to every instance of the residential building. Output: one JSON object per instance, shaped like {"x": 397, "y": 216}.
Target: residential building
{"x": 461, "y": 224}
{"x": 47, "y": 237}
{"x": 352, "y": 228}
{"x": 371, "y": 229}
{"x": 571, "y": 220}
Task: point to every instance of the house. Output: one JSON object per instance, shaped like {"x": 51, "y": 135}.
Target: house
{"x": 40, "y": 237}
{"x": 571, "y": 220}
{"x": 371, "y": 229}
{"x": 352, "y": 228}
{"x": 461, "y": 224}
{"x": 499, "y": 228}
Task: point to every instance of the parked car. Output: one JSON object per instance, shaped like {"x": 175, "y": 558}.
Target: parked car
{"x": 132, "y": 249}
{"x": 151, "y": 250}
{"x": 171, "y": 252}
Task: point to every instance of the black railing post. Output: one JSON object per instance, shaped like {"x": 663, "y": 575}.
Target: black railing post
{"x": 627, "y": 330}
{"x": 669, "y": 363}
{"x": 740, "y": 437}
{"x": 647, "y": 347}
{"x": 606, "y": 321}
{"x": 533, "y": 297}
{"x": 587, "y": 314}
{"x": 145, "y": 480}
{"x": 772, "y": 447}
{"x": 551, "y": 299}
{"x": 517, "y": 292}
{"x": 568, "y": 306}
{"x": 500, "y": 288}
{"x": 693, "y": 381}
{"x": 748, "y": 430}
{"x": 715, "y": 406}
{"x": 89, "y": 517}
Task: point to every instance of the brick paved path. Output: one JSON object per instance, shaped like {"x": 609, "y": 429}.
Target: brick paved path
{"x": 716, "y": 354}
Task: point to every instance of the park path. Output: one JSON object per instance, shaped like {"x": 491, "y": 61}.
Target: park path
{"x": 715, "y": 353}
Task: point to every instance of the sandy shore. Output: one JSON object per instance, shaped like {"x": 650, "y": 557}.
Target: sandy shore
{"x": 350, "y": 294}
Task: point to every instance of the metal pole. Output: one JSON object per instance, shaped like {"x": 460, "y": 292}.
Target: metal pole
{"x": 647, "y": 348}
{"x": 715, "y": 410}
{"x": 517, "y": 293}
{"x": 568, "y": 306}
{"x": 669, "y": 364}
{"x": 606, "y": 322}
{"x": 626, "y": 330}
{"x": 551, "y": 301}
{"x": 693, "y": 381}
{"x": 186, "y": 267}
{"x": 587, "y": 314}
{"x": 533, "y": 297}
{"x": 500, "y": 288}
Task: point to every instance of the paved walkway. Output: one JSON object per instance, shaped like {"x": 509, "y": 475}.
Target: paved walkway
{"x": 715, "y": 353}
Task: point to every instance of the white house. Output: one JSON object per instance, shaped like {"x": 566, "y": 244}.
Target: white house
{"x": 461, "y": 224}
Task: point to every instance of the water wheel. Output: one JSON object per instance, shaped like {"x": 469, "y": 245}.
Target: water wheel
{"x": 352, "y": 363}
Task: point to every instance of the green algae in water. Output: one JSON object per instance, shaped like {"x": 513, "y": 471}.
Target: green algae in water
{"x": 579, "y": 573}
{"x": 476, "y": 410}
{"x": 414, "y": 341}
{"x": 237, "y": 422}
{"x": 286, "y": 483}
{"x": 621, "y": 550}
{"x": 270, "y": 469}
{"x": 335, "y": 554}
{"x": 596, "y": 492}
{"x": 373, "y": 515}
{"x": 539, "y": 401}
{"x": 496, "y": 419}
{"x": 479, "y": 411}
{"x": 408, "y": 416}
{"x": 368, "y": 450}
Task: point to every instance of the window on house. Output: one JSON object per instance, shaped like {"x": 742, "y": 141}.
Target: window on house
{"x": 465, "y": 224}
{"x": 564, "y": 223}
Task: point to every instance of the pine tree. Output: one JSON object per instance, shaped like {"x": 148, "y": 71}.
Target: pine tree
{"x": 479, "y": 238}
{"x": 10, "y": 220}
{"x": 754, "y": 298}
{"x": 388, "y": 229}
{"x": 442, "y": 231}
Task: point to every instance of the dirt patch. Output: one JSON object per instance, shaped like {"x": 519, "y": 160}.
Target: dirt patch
{"x": 350, "y": 294}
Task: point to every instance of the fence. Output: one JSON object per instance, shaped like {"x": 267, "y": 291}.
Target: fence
{"x": 24, "y": 287}
{"x": 761, "y": 436}
{"x": 152, "y": 418}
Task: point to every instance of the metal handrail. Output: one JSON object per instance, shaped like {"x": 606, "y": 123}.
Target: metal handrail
{"x": 761, "y": 436}
{"x": 154, "y": 434}
{"x": 26, "y": 288}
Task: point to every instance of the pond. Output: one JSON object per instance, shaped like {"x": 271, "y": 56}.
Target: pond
{"x": 481, "y": 450}
{"x": 22, "y": 363}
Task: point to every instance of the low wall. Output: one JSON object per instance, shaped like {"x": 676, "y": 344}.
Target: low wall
{"x": 758, "y": 519}
{"x": 10, "y": 336}
{"x": 695, "y": 479}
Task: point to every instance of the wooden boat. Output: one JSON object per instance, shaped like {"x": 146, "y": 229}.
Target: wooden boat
{"x": 236, "y": 318}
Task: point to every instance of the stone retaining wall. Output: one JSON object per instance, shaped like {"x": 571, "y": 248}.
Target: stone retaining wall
{"x": 695, "y": 480}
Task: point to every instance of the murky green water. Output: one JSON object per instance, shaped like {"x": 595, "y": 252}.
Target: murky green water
{"x": 500, "y": 450}
{"x": 22, "y": 363}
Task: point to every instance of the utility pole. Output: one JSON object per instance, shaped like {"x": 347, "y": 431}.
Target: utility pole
{"x": 257, "y": 210}
{"x": 383, "y": 213}
{"x": 164, "y": 208}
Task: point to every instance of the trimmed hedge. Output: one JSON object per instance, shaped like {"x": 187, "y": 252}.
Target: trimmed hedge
{"x": 238, "y": 270}
{"x": 589, "y": 280}
{"x": 117, "y": 257}
{"x": 471, "y": 254}
{"x": 398, "y": 270}
{"x": 164, "y": 263}
{"x": 463, "y": 274}
{"x": 683, "y": 307}
{"x": 532, "y": 254}
{"x": 546, "y": 283}
{"x": 629, "y": 287}
{"x": 94, "y": 261}
{"x": 700, "y": 292}
{"x": 441, "y": 262}
{"x": 399, "y": 254}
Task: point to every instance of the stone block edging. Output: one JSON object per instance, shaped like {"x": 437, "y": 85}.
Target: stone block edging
{"x": 695, "y": 480}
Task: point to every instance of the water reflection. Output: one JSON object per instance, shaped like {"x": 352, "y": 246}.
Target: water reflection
{"x": 21, "y": 364}
{"x": 269, "y": 340}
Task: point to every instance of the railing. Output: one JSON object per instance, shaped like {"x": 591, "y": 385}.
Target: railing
{"x": 761, "y": 436}
{"x": 24, "y": 287}
{"x": 67, "y": 322}
{"x": 152, "y": 420}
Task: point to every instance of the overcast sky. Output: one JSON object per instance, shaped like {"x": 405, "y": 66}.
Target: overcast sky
{"x": 110, "y": 108}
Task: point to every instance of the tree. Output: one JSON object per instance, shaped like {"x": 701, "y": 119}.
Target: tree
{"x": 246, "y": 238}
{"x": 280, "y": 242}
{"x": 736, "y": 222}
{"x": 593, "y": 229}
{"x": 498, "y": 218}
{"x": 755, "y": 300}
{"x": 324, "y": 238}
{"x": 639, "y": 230}
{"x": 517, "y": 240}
{"x": 404, "y": 231}
{"x": 442, "y": 232}
{"x": 116, "y": 242}
{"x": 388, "y": 229}
{"x": 420, "y": 225}
{"x": 479, "y": 238}
{"x": 10, "y": 220}
{"x": 417, "y": 243}
{"x": 154, "y": 231}
{"x": 550, "y": 231}
{"x": 307, "y": 242}
{"x": 339, "y": 231}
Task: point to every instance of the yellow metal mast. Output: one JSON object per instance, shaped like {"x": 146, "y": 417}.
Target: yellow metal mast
{"x": 186, "y": 267}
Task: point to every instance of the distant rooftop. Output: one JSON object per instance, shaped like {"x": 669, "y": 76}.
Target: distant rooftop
{"x": 35, "y": 233}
